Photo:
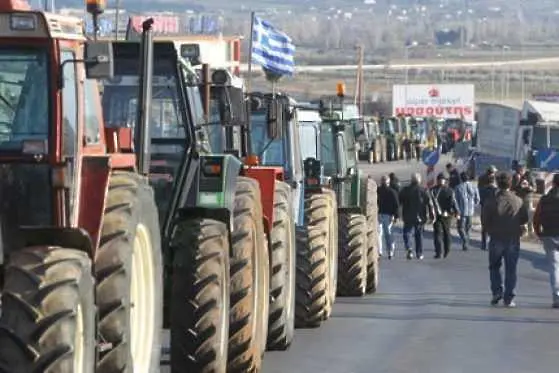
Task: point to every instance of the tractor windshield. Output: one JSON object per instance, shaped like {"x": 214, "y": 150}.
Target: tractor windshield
{"x": 308, "y": 136}
{"x": 24, "y": 97}
{"x": 270, "y": 152}
{"x": 168, "y": 120}
{"x": 328, "y": 149}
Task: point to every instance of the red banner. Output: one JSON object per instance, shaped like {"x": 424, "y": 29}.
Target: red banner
{"x": 161, "y": 24}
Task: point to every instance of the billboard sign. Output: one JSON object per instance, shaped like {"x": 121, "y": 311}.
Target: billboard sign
{"x": 446, "y": 101}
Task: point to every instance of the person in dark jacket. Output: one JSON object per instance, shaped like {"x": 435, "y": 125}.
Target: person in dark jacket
{"x": 546, "y": 226}
{"x": 483, "y": 180}
{"x": 417, "y": 209}
{"x": 523, "y": 183}
{"x": 505, "y": 218}
{"x": 486, "y": 193}
{"x": 453, "y": 176}
{"x": 388, "y": 211}
{"x": 445, "y": 208}
{"x": 394, "y": 182}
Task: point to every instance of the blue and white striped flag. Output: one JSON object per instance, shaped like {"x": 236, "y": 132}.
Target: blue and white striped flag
{"x": 272, "y": 49}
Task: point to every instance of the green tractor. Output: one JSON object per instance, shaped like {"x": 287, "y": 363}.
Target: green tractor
{"x": 337, "y": 167}
{"x": 255, "y": 142}
{"x": 317, "y": 250}
{"x": 215, "y": 256}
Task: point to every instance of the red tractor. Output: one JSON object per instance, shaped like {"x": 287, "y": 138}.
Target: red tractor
{"x": 81, "y": 256}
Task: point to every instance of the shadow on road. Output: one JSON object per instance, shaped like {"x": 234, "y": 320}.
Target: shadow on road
{"x": 416, "y": 300}
{"x": 438, "y": 316}
{"x": 537, "y": 260}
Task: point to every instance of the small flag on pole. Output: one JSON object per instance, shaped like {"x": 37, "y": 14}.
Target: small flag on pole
{"x": 271, "y": 48}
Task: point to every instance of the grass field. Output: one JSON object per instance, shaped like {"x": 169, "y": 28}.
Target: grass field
{"x": 503, "y": 84}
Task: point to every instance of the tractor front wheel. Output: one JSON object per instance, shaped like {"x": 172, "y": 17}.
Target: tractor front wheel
{"x": 281, "y": 321}
{"x": 48, "y": 312}
{"x": 249, "y": 275}
{"x": 200, "y": 296}
{"x": 353, "y": 248}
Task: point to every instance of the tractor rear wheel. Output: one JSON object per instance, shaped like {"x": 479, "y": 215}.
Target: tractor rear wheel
{"x": 352, "y": 267}
{"x": 320, "y": 212}
{"x": 129, "y": 273}
{"x": 281, "y": 321}
{"x": 48, "y": 312}
{"x": 369, "y": 200}
{"x": 200, "y": 296}
{"x": 249, "y": 275}
{"x": 312, "y": 270}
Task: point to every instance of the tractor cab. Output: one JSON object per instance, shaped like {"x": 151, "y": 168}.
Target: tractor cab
{"x": 169, "y": 125}
{"x": 338, "y": 141}
{"x": 274, "y": 140}
{"x": 227, "y": 112}
{"x": 50, "y": 124}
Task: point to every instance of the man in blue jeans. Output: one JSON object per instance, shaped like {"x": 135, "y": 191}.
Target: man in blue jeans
{"x": 546, "y": 226}
{"x": 505, "y": 218}
{"x": 417, "y": 209}
{"x": 388, "y": 206}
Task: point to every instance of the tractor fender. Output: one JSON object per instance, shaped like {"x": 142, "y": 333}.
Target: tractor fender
{"x": 216, "y": 193}
{"x": 75, "y": 238}
{"x": 266, "y": 177}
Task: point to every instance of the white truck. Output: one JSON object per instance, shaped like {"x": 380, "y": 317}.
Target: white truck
{"x": 528, "y": 136}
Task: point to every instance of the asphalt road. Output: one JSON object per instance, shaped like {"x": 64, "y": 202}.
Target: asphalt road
{"x": 433, "y": 316}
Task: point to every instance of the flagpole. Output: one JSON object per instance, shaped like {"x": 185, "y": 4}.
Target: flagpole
{"x": 250, "y": 40}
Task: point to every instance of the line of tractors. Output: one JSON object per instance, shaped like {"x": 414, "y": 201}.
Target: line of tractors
{"x": 138, "y": 195}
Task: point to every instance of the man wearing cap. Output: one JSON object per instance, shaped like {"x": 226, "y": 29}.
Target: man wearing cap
{"x": 546, "y": 226}
{"x": 504, "y": 217}
{"x": 446, "y": 207}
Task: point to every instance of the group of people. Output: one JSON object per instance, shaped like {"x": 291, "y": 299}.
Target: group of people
{"x": 504, "y": 201}
{"x": 454, "y": 196}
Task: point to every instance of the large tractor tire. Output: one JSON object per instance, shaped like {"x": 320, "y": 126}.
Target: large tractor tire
{"x": 332, "y": 252}
{"x": 249, "y": 275}
{"x": 369, "y": 201}
{"x": 200, "y": 297}
{"x": 352, "y": 267}
{"x": 281, "y": 320}
{"x": 48, "y": 312}
{"x": 316, "y": 282}
{"x": 129, "y": 274}
{"x": 312, "y": 270}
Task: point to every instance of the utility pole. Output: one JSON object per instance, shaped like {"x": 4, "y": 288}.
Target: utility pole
{"x": 117, "y": 13}
{"x": 358, "y": 98}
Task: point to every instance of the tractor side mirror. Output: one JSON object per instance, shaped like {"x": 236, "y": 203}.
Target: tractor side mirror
{"x": 274, "y": 119}
{"x": 99, "y": 61}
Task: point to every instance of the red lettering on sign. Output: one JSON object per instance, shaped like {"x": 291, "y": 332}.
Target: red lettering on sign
{"x": 436, "y": 111}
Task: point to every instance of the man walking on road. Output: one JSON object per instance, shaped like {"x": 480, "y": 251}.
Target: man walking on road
{"x": 445, "y": 208}
{"x": 453, "y": 176}
{"x": 504, "y": 217}
{"x": 467, "y": 197}
{"x": 388, "y": 207}
{"x": 485, "y": 194}
{"x": 483, "y": 180}
{"x": 417, "y": 208}
{"x": 546, "y": 226}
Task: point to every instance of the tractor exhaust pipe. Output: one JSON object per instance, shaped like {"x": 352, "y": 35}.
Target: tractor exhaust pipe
{"x": 142, "y": 136}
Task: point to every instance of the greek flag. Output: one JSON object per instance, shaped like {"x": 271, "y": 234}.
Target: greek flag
{"x": 272, "y": 49}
